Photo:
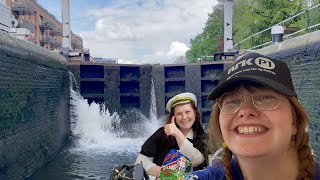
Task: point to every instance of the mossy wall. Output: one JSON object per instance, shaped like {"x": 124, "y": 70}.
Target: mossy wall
{"x": 34, "y": 106}
{"x": 302, "y": 54}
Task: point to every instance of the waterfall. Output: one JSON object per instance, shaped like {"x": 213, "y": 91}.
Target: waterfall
{"x": 93, "y": 126}
{"x": 153, "y": 106}
{"x": 99, "y": 140}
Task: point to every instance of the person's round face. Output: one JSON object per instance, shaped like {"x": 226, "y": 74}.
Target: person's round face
{"x": 250, "y": 132}
{"x": 184, "y": 116}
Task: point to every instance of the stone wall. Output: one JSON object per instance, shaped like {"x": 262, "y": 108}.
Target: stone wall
{"x": 34, "y": 106}
{"x": 302, "y": 54}
{"x": 123, "y": 88}
{"x": 198, "y": 78}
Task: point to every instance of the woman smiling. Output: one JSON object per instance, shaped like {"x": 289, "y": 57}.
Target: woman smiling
{"x": 260, "y": 123}
{"x": 182, "y": 131}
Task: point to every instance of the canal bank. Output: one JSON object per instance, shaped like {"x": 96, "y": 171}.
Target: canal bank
{"x": 34, "y": 118}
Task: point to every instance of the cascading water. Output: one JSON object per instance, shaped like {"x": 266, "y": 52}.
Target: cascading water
{"x": 99, "y": 141}
{"x": 93, "y": 126}
{"x": 153, "y": 107}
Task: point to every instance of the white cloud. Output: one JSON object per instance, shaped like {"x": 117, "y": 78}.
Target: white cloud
{"x": 177, "y": 49}
{"x": 150, "y": 32}
{"x": 115, "y": 31}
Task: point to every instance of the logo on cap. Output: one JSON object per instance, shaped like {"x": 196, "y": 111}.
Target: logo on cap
{"x": 261, "y": 62}
{"x": 265, "y": 63}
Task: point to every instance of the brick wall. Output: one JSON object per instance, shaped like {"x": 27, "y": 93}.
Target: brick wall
{"x": 34, "y": 106}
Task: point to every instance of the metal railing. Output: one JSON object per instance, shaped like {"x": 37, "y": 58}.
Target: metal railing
{"x": 307, "y": 28}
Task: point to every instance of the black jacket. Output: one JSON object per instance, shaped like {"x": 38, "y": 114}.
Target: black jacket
{"x": 157, "y": 146}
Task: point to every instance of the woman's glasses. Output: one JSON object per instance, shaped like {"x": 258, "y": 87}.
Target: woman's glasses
{"x": 231, "y": 102}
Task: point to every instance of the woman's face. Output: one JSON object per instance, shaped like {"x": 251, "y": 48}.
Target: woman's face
{"x": 184, "y": 116}
{"x": 250, "y": 132}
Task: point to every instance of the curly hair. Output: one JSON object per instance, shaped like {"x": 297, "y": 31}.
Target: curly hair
{"x": 300, "y": 142}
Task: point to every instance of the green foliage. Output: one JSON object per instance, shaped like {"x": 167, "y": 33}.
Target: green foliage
{"x": 250, "y": 17}
{"x": 16, "y": 93}
{"x": 209, "y": 40}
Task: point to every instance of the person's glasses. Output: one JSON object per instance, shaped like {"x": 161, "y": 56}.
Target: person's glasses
{"x": 231, "y": 102}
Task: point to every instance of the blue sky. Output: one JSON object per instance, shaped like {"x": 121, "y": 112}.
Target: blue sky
{"x": 136, "y": 31}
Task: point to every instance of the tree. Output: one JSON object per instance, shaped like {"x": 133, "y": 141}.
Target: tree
{"x": 249, "y": 18}
{"x": 209, "y": 41}
{"x": 252, "y": 16}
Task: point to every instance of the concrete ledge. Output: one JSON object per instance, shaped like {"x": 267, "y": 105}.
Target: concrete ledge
{"x": 14, "y": 47}
{"x": 300, "y": 42}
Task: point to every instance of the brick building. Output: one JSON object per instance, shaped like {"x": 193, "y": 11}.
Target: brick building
{"x": 39, "y": 26}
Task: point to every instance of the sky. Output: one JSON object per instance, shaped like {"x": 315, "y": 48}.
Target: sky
{"x": 136, "y": 31}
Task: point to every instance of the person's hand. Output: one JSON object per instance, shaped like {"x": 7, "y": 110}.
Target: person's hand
{"x": 171, "y": 129}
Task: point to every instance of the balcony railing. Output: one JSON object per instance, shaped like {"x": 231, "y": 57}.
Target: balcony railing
{"x": 51, "y": 40}
{"x": 46, "y": 26}
{"x": 56, "y": 32}
{"x": 28, "y": 25}
{"x": 44, "y": 38}
{"x": 23, "y": 7}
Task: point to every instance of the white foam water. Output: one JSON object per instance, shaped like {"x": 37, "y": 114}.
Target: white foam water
{"x": 99, "y": 141}
{"x": 96, "y": 129}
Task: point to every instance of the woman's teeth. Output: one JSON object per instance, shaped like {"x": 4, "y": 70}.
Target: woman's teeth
{"x": 251, "y": 129}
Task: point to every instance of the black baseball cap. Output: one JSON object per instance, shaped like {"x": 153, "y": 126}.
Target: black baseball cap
{"x": 257, "y": 68}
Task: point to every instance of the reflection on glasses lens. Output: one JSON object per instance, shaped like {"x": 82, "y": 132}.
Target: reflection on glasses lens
{"x": 231, "y": 102}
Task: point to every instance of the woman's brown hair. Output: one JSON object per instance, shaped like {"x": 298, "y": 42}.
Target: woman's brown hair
{"x": 300, "y": 141}
{"x": 195, "y": 126}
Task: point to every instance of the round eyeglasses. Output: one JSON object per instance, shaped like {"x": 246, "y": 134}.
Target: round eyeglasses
{"x": 231, "y": 102}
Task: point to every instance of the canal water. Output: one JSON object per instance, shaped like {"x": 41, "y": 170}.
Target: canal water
{"x": 99, "y": 142}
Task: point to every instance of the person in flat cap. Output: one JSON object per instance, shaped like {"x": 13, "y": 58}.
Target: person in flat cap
{"x": 259, "y": 124}
{"x": 182, "y": 131}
